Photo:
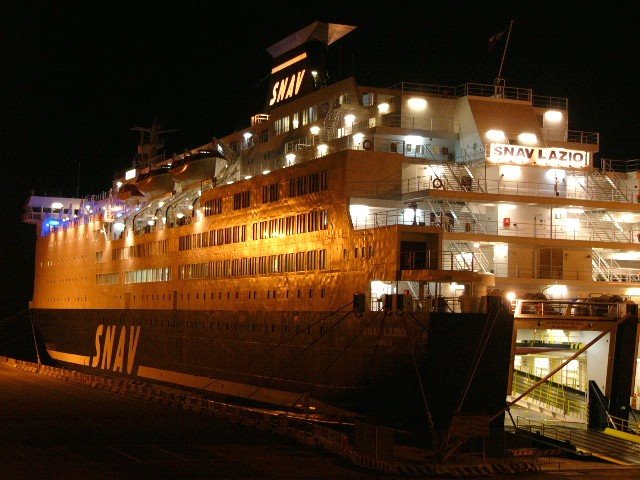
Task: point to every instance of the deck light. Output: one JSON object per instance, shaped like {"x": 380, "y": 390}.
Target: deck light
{"x": 56, "y": 205}
{"x": 291, "y": 158}
{"x": 417, "y": 104}
{"x": 383, "y": 108}
{"x": 526, "y": 138}
{"x": 322, "y": 149}
{"x": 495, "y": 135}
{"x": 553, "y": 116}
{"x": 349, "y": 119}
{"x": 314, "y": 130}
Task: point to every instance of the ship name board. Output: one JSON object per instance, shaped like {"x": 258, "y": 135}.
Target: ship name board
{"x": 287, "y": 87}
{"x": 503, "y": 153}
{"x": 114, "y": 345}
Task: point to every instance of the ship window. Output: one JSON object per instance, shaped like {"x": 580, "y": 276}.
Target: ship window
{"x": 345, "y": 254}
{"x": 228, "y": 295}
{"x": 297, "y": 328}
{"x": 298, "y": 293}
{"x": 310, "y": 293}
{"x": 270, "y": 193}
{"x": 242, "y": 200}
{"x": 323, "y": 293}
{"x": 355, "y": 252}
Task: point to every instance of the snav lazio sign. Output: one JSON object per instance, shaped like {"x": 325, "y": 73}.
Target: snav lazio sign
{"x": 503, "y": 153}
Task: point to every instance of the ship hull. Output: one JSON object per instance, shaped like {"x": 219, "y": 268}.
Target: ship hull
{"x": 382, "y": 365}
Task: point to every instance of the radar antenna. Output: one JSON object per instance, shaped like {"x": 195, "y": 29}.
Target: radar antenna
{"x": 150, "y": 144}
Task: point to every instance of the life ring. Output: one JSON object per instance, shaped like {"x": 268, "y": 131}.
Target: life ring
{"x": 367, "y": 144}
{"x": 437, "y": 183}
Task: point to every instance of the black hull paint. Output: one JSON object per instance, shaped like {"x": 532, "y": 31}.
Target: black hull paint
{"x": 364, "y": 363}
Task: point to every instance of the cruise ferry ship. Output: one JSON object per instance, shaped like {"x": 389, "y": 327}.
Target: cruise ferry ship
{"x": 403, "y": 252}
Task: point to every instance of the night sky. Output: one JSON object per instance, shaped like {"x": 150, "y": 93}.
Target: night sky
{"x": 76, "y": 76}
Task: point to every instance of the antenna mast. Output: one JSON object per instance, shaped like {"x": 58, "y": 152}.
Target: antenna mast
{"x": 499, "y": 81}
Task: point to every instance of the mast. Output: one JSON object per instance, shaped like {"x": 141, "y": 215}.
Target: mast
{"x": 499, "y": 81}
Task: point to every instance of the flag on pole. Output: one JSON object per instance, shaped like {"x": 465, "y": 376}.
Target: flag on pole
{"x": 494, "y": 39}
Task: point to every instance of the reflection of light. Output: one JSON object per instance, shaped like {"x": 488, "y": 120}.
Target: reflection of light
{"x": 322, "y": 149}
{"x": 383, "y": 108}
{"x": 511, "y": 296}
{"x": 359, "y": 210}
{"x": 557, "y": 290}
{"x": 54, "y": 222}
{"x": 247, "y": 177}
{"x": 160, "y": 204}
{"x": 151, "y": 222}
{"x": 634, "y": 291}
{"x": 495, "y": 135}
{"x": 528, "y": 138}
{"x": 501, "y": 249}
{"x": 553, "y": 116}
{"x": 625, "y": 256}
{"x": 417, "y": 104}
{"x": 511, "y": 172}
{"x": 314, "y": 130}
{"x": 56, "y": 205}
{"x": 572, "y": 224}
{"x": 476, "y": 245}
{"x": 265, "y": 172}
{"x": 118, "y": 226}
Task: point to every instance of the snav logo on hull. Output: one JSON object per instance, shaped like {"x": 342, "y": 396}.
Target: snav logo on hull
{"x": 111, "y": 353}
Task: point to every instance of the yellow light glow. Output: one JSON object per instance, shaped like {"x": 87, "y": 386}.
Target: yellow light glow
{"x": 417, "y": 104}
{"x": 526, "y": 138}
{"x": 495, "y": 135}
{"x": 553, "y": 116}
{"x": 118, "y": 184}
{"x": 130, "y": 174}
{"x": 247, "y": 135}
{"x": 323, "y": 149}
{"x": 291, "y": 158}
{"x": 56, "y": 205}
{"x": 511, "y": 296}
{"x": 357, "y": 138}
{"x": 359, "y": 211}
{"x": 349, "y": 119}
{"x": 413, "y": 140}
{"x": 511, "y": 172}
{"x": 266, "y": 172}
{"x": 383, "y": 108}
{"x": 314, "y": 130}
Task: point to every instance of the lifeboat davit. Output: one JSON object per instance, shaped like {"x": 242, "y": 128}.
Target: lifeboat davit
{"x": 130, "y": 194}
{"x": 156, "y": 182}
{"x": 197, "y": 168}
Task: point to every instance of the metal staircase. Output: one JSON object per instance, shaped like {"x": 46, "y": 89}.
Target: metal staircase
{"x": 478, "y": 261}
{"x": 462, "y": 177}
{"x": 604, "y": 187}
{"x": 604, "y": 227}
{"x": 605, "y": 269}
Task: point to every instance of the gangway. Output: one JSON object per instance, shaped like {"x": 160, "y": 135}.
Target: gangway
{"x": 575, "y": 437}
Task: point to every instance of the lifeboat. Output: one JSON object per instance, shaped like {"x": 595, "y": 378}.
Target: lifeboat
{"x": 130, "y": 194}
{"x": 197, "y": 168}
{"x": 156, "y": 182}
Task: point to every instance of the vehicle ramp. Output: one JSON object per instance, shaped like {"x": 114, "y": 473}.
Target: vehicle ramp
{"x": 605, "y": 445}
